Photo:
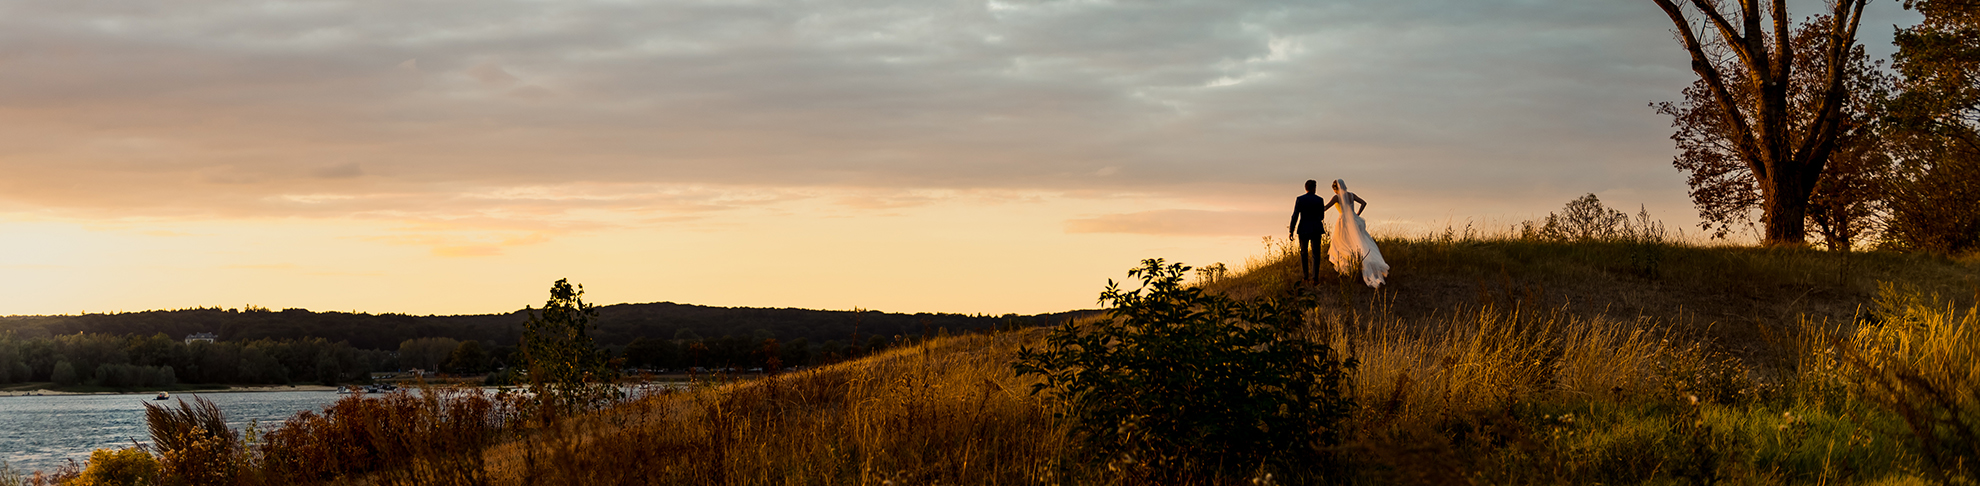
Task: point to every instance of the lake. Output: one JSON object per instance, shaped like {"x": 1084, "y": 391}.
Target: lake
{"x": 44, "y": 432}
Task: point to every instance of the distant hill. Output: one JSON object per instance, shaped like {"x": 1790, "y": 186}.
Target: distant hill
{"x": 617, "y": 324}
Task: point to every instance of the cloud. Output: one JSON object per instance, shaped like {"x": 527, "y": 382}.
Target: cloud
{"x": 467, "y": 251}
{"x": 1190, "y": 222}
{"x": 197, "y": 108}
{"x": 339, "y": 171}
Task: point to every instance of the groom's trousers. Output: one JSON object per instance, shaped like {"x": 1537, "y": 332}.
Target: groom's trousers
{"x": 1308, "y": 247}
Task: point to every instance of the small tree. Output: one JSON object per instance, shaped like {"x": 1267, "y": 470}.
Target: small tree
{"x": 64, "y": 374}
{"x": 563, "y": 368}
{"x": 468, "y": 357}
{"x": 1177, "y": 378}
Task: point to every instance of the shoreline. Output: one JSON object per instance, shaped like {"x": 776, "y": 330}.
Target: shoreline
{"x": 229, "y": 389}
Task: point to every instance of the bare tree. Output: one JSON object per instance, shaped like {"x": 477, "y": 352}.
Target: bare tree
{"x": 1747, "y": 63}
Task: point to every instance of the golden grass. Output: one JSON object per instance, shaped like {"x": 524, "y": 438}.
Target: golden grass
{"x": 944, "y": 411}
{"x": 1484, "y": 362}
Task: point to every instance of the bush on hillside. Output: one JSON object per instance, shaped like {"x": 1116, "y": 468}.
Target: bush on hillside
{"x": 119, "y": 467}
{"x": 1586, "y": 219}
{"x": 1177, "y": 379}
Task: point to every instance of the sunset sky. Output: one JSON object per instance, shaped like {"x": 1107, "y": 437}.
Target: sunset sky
{"x": 453, "y": 157}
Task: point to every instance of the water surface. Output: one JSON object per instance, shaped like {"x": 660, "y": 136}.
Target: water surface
{"x": 44, "y": 432}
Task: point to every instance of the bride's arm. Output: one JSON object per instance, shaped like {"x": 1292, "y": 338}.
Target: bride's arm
{"x": 1359, "y": 204}
{"x": 1331, "y": 201}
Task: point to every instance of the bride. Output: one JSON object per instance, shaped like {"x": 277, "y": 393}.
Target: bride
{"x": 1351, "y": 246}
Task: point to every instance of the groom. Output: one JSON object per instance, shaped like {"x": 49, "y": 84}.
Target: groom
{"x": 1309, "y": 222}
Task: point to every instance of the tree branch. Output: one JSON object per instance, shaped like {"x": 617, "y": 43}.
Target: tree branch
{"x": 1783, "y": 40}
{"x": 1726, "y": 30}
{"x": 1819, "y": 143}
{"x": 1702, "y": 64}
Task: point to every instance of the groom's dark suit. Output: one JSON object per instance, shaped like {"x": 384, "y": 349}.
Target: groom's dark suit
{"x": 1309, "y": 221}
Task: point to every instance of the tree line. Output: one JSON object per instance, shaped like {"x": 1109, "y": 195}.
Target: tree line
{"x": 617, "y": 325}
{"x": 158, "y": 359}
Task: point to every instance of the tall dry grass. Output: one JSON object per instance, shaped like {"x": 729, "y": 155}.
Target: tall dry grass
{"x": 433, "y": 437}
{"x": 1484, "y": 362}
{"x": 945, "y": 411}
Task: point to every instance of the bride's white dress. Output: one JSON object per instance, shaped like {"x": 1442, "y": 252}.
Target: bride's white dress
{"x": 1351, "y": 247}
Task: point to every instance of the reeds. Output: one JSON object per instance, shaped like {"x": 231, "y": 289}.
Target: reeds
{"x": 194, "y": 443}
{"x": 433, "y": 437}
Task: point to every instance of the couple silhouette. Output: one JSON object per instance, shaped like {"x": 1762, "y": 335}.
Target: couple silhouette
{"x": 1349, "y": 249}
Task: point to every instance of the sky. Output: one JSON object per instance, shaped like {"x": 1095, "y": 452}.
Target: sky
{"x": 456, "y": 157}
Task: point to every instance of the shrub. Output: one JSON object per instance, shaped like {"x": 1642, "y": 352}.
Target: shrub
{"x": 1178, "y": 380}
{"x": 64, "y": 374}
{"x": 126, "y": 467}
{"x": 193, "y": 441}
{"x": 1586, "y": 219}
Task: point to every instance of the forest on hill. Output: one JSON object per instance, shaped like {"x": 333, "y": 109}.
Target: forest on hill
{"x": 150, "y": 349}
{"x": 618, "y": 324}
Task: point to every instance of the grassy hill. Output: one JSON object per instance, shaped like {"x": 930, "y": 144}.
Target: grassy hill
{"x": 1484, "y": 361}
{"x": 1734, "y": 295}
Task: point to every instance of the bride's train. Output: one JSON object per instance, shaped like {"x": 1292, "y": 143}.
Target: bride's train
{"x": 1351, "y": 247}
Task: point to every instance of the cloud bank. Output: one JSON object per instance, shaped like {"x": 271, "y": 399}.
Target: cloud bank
{"x": 201, "y": 107}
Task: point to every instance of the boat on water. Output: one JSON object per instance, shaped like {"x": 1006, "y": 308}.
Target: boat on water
{"x": 162, "y": 396}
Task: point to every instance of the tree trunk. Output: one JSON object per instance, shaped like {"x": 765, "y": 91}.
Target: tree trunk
{"x": 1784, "y": 212}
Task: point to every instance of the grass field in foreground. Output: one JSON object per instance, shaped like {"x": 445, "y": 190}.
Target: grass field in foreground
{"x": 1483, "y": 362}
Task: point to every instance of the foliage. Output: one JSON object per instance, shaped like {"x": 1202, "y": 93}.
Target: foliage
{"x": 1178, "y": 378}
{"x": 1586, "y": 219}
{"x": 428, "y": 353}
{"x": 468, "y": 357}
{"x": 129, "y": 376}
{"x": 562, "y": 366}
{"x": 1935, "y": 120}
{"x": 116, "y": 361}
{"x": 120, "y": 467}
{"x": 382, "y": 333}
{"x": 64, "y": 374}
